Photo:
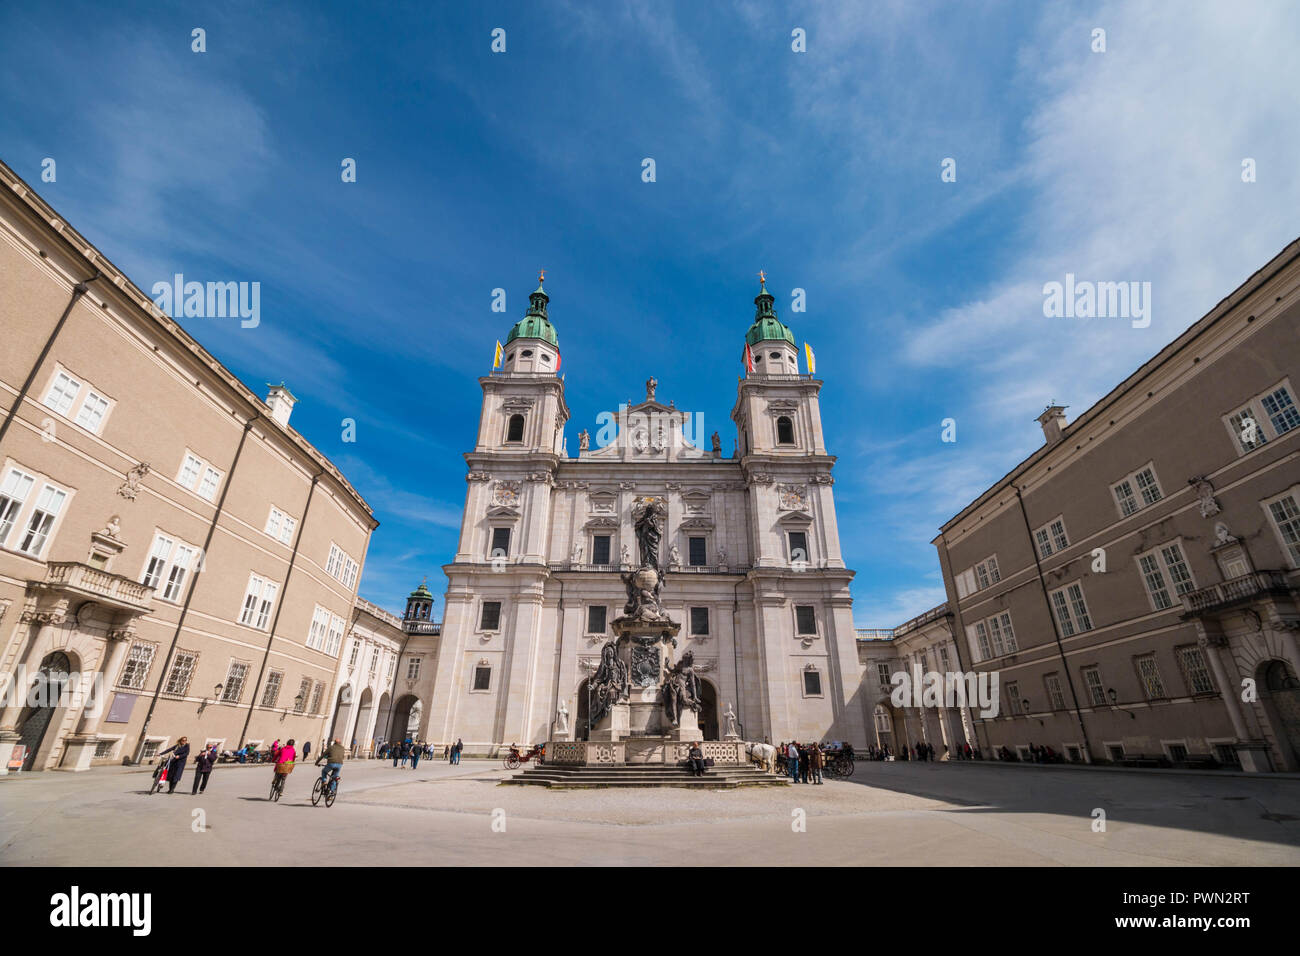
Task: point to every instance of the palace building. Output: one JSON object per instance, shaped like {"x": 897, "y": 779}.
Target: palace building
{"x": 175, "y": 558}
{"x": 750, "y": 550}
{"x": 1135, "y": 582}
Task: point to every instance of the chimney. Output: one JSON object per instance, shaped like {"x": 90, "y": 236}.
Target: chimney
{"x": 281, "y": 401}
{"x": 1053, "y": 422}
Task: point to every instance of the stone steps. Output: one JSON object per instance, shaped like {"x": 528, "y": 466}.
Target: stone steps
{"x": 728, "y": 777}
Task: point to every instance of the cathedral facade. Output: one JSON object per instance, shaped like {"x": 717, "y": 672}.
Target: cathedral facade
{"x": 750, "y": 554}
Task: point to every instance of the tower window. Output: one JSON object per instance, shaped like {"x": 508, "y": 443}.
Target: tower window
{"x": 545, "y": 357}
{"x": 482, "y": 677}
{"x": 516, "y": 428}
{"x": 595, "y": 620}
{"x": 500, "y": 543}
{"x": 697, "y": 552}
{"x": 812, "y": 684}
{"x": 527, "y": 353}
{"x": 490, "y": 618}
{"x": 784, "y": 431}
{"x": 774, "y": 355}
{"x": 805, "y": 616}
{"x": 798, "y": 546}
{"x": 600, "y": 549}
{"x": 510, "y": 357}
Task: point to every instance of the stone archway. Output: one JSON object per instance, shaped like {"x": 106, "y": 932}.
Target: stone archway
{"x": 1279, "y": 693}
{"x": 882, "y": 722}
{"x": 580, "y": 712}
{"x": 365, "y": 705}
{"x": 708, "y": 716}
{"x": 44, "y": 707}
{"x": 406, "y": 718}
{"x": 342, "y": 714}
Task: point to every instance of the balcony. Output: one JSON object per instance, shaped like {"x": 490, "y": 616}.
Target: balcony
{"x": 83, "y": 581}
{"x": 874, "y": 633}
{"x": 1247, "y": 588}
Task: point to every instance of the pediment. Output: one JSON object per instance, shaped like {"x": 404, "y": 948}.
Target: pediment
{"x": 503, "y": 511}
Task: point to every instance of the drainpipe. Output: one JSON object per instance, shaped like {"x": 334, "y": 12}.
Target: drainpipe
{"x": 279, "y": 605}
{"x": 1056, "y": 630}
{"x": 78, "y": 291}
{"x": 189, "y": 595}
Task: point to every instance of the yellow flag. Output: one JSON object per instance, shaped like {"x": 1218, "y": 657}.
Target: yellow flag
{"x": 812, "y": 359}
{"x": 496, "y": 359}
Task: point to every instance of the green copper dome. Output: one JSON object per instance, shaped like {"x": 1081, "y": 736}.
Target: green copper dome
{"x": 421, "y": 593}
{"x": 535, "y": 325}
{"x": 767, "y": 327}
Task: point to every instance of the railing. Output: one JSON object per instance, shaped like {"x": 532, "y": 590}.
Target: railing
{"x": 422, "y": 627}
{"x": 874, "y": 633}
{"x": 375, "y": 610}
{"x": 84, "y": 578}
{"x": 1244, "y": 588}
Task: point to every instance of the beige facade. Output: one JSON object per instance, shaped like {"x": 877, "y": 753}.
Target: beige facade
{"x": 1134, "y": 582}
{"x": 750, "y": 548}
{"x": 384, "y": 659}
{"x": 164, "y": 532}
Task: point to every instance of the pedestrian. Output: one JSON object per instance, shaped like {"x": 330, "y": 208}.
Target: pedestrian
{"x": 695, "y": 760}
{"x": 805, "y": 755}
{"x": 792, "y": 761}
{"x": 416, "y": 752}
{"x": 180, "y": 753}
{"x": 455, "y": 752}
{"x": 202, "y": 768}
{"x": 815, "y": 759}
{"x": 446, "y": 753}
{"x": 306, "y": 750}
{"x": 396, "y": 752}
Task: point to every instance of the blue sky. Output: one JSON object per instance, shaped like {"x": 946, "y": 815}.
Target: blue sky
{"x": 475, "y": 169}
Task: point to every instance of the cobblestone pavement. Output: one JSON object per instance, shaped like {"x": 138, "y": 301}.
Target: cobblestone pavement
{"x": 903, "y": 814}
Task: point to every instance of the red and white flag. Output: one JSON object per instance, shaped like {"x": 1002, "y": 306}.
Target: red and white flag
{"x": 749, "y": 358}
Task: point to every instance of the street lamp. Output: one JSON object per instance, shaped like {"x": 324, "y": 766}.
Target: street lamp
{"x": 1113, "y": 696}
{"x": 216, "y": 695}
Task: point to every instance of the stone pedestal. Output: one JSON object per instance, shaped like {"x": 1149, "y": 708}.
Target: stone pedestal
{"x": 614, "y": 725}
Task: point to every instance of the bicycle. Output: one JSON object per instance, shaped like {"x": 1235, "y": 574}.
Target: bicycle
{"x": 277, "y": 786}
{"x": 159, "y": 776}
{"x": 327, "y": 790}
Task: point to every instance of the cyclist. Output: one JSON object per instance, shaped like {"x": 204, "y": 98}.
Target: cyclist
{"x": 333, "y": 756}
{"x": 285, "y": 758}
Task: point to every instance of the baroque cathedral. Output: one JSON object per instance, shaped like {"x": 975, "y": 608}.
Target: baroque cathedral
{"x": 750, "y": 555}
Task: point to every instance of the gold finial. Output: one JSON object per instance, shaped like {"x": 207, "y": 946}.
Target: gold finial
{"x": 762, "y": 277}
{"x": 541, "y": 276}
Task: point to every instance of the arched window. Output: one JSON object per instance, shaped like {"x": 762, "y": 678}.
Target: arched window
{"x": 516, "y": 429}
{"x": 784, "y": 431}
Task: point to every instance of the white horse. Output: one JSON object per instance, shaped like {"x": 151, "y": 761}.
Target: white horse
{"x": 762, "y": 754}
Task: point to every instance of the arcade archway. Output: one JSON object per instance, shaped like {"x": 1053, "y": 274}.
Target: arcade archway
{"x": 44, "y": 704}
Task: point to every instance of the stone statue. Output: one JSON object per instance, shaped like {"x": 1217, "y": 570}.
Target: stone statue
{"x": 584, "y": 440}
{"x": 648, "y": 517}
{"x": 562, "y": 718}
{"x": 627, "y": 558}
{"x": 609, "y": 685}
{"x": 722, "y": 557}
{"x": 576, "y": 556}
{"x": 675, "y": 556}
{"x": 650, "y": 386}
{"x": 1204, "y": 496}
{"x": 681, "y": 691}
{"x": 643, "y": 588}
{"x": 717, "y": 444}
{"x": 1222, "y": 535}
{"x": 731, "y": 720}
{"x": 113, "y": 527}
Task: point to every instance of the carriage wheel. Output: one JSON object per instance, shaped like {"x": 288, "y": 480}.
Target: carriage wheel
{"x": 512, "y": 762}
{"x": 846, "y": 770}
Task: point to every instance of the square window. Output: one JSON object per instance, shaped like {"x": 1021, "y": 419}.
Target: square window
{"x": 178, "y": 681}
{"x": 805, "y": 616}
{"x": 208, "y": 486}
{"x": 1281, "y": 411}
{"x": 596, "y": 619}
{"x": 1092, "y": 685}
{"x": 500, "y": 543}
{"x": 1149, "y": 674}
{"x": 490, "y": 618}
{"x": 600, "y": 549}
{"x": 46, "y": 510}
{"x": 798, "y": 546}
{"x": 136, "y": 669}
{"x": 1285, "y": 513}
{"x": 63, "y": 392}
{"x": 698, "y": 556}
{"x": 482, "y": 677}
{"x": 93, "y": 410}
{"x": 189, "y": 473}
{"x": 234, "y": 686}
{"x": 812, "y": 684}
{"x": 13, "y": 494}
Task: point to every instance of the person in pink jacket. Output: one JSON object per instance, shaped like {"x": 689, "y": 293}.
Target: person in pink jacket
{"x": 284, "y": 760}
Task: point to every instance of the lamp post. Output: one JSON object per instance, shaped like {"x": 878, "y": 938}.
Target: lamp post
{"x": 216, "y": 695}
{"x": 1114, "y": 706}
